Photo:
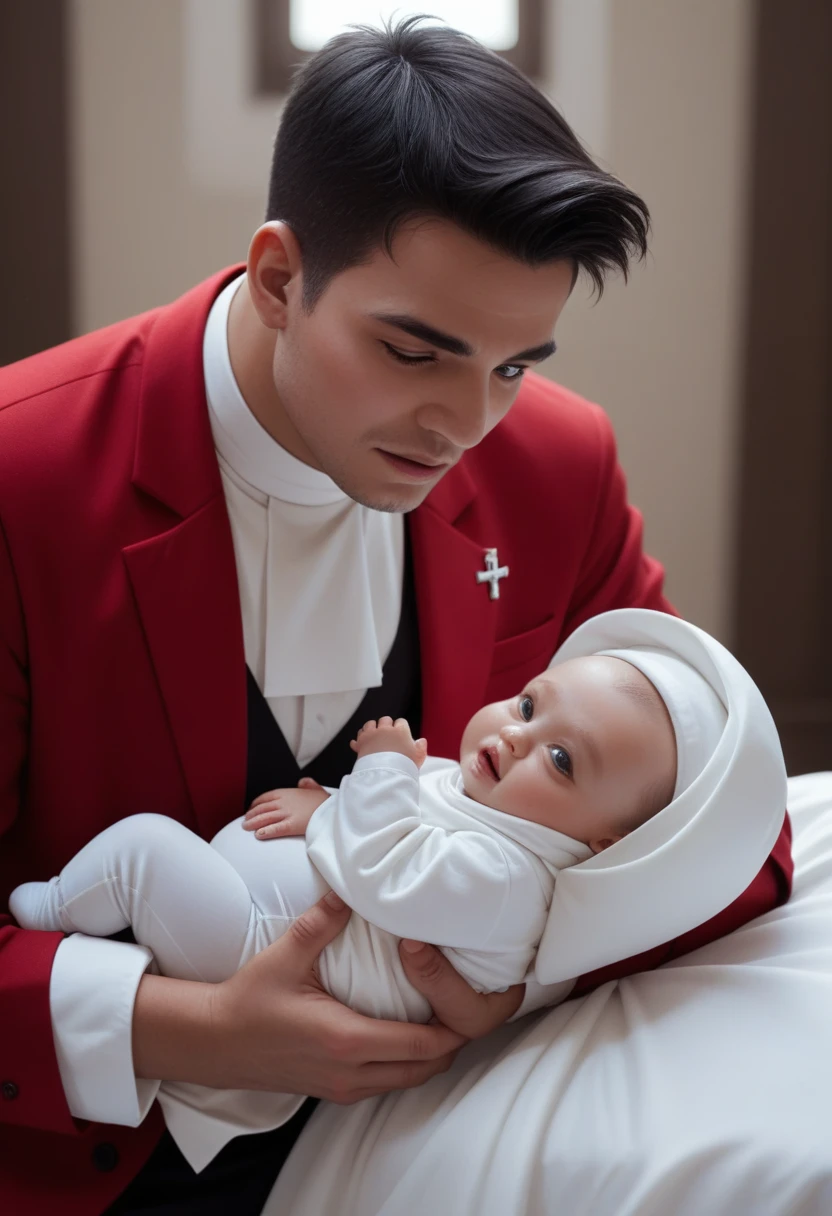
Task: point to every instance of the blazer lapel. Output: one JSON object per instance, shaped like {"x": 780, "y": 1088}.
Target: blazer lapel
{"x": 457, "y": 619}
{"x": 185, "y": 586}
{"x": 185, "y": 579}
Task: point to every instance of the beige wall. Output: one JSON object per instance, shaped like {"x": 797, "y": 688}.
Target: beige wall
{"x": 662, "y": 97}
{"x": 145, "y": 230}
{"x": 662, "y": 354}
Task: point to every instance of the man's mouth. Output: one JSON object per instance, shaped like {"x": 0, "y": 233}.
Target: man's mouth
{"x": 418, "y": 470}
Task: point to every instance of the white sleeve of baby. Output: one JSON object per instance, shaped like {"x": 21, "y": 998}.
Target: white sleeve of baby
{"x": 406, "y": 876}
{"x": 92, "y": 991}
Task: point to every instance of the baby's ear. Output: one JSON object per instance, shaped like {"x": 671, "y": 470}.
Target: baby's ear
{"x": 604, "y": 842}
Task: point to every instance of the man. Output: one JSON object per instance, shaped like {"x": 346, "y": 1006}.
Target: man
{"x": 237, "y": 526}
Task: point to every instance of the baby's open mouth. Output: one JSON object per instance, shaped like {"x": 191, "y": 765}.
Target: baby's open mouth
{"x": 488, "y": 761}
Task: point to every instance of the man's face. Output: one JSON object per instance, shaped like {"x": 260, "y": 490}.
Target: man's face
{"x": 380, "y": 403}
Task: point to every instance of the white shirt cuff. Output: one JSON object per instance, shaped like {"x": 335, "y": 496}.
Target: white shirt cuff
{"x": 91, "y": 996}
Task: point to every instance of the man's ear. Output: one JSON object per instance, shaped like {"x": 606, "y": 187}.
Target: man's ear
{"x": 604, "y": 842}
{"x": 274, "y": 273}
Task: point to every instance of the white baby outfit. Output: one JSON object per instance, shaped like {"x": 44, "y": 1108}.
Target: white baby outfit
{"x": 411, "y": 853}
{"x": 416, "y": 857}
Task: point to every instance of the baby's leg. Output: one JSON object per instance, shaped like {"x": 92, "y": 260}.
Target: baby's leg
{"x": 183, "y": 901}
{"x": 278, "y": 874}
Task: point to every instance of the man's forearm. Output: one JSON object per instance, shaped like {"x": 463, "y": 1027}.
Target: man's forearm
{"x": 172, "y": 1038}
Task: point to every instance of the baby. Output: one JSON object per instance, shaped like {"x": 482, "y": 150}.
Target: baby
{"x": 465, "y": 856}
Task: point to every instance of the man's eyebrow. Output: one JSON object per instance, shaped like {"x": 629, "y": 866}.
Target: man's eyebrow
{"x": 455, "y": 346}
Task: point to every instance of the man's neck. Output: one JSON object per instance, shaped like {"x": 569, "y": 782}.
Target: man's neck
{"x": 251, "y": 351}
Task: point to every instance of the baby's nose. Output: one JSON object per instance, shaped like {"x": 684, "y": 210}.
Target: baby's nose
{"x": 514, "y": 738}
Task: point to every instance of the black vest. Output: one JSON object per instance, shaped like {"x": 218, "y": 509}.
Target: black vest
{"x": 240, "y": 1177}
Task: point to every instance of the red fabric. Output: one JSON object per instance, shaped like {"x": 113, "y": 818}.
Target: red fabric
{"x": 122, "y": 677}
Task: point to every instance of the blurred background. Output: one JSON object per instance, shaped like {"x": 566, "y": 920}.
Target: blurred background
{"x": 134, "y": 152}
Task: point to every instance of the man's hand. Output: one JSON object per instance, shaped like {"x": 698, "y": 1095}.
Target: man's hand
{"x": 271, "y": 1026}
{"x": 385, "y": 735}
{"x": 454, "y": 1002}
{"x": 283, "y": 812}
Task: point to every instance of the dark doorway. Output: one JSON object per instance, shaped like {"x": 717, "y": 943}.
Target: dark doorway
{"x": 34, "y": 198}
{"x": 784, "y": 579}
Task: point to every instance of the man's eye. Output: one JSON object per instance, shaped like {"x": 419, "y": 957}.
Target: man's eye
{"x": 401, "y": 357}
{"x": 561, "y": 760}
{"x": 510, "y": 371}
{"x": 526, "y": 708}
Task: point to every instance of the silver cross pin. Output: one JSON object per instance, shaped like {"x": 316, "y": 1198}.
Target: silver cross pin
{"x": 492, "y": 573}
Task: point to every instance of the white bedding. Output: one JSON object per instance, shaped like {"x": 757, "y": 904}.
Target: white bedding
{"x": 700, "y": 1089}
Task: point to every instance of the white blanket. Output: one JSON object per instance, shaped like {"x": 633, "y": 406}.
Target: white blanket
{"x": 700, "y": 1089}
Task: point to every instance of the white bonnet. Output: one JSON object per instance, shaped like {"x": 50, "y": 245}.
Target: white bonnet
{"x": 695, "y": 857}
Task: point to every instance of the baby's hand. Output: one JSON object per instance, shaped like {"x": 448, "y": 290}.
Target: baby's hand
{"x": 283, "y": 812}
{"x": 389, "y": 736}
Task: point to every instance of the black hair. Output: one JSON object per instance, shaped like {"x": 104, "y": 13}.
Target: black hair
{"x": 384, "y": 125}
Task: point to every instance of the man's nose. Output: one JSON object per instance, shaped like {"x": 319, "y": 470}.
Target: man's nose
{"x": 463, "y": 418}
{"x": 515, "y": 739}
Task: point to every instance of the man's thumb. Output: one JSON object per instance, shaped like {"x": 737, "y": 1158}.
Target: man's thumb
{"x": 317, "y": 927}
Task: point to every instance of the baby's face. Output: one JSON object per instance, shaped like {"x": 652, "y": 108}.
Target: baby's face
{"x": 584, "y": 748}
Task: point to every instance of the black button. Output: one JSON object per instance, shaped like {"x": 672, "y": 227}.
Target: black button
{"x": 105, "y": 1157}
{"x": 9, "y": 1090}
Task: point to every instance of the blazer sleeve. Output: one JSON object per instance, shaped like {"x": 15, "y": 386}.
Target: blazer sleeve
{"x": 32, "y": 1092}
{"x": 615, "y": 573}
{"x": 412, "y": 878}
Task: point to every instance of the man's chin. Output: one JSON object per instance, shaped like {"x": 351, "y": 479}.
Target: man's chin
{"x": 398, "y": 501}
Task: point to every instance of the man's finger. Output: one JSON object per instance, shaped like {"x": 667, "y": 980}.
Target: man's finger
{"x": 372, "y": 1039}
{"x": 380, "y": 1078}
{"x": 454, "y": 1002}
{"x": 316, "y": 928}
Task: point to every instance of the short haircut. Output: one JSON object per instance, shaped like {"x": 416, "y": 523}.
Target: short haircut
{"x": 385, "y": 125}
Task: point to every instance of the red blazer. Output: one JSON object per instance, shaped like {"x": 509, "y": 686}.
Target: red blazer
{"x": 122, "y": 674}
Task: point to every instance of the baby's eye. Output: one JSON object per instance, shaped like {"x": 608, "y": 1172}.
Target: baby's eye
{"x": 561, "y": 760}
{"x": 526, "y": 707}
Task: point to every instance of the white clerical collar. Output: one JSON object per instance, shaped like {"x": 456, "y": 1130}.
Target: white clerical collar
{"x": 326, "y": 556}
{"x": 240, "y": 439}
